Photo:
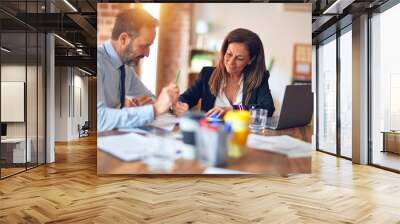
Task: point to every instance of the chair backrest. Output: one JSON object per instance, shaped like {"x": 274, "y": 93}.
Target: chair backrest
{"x": 86, "y": 125}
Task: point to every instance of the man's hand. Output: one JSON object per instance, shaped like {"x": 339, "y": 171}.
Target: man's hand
{"x": 138, "y": 101}
{"x": 179, "y": 108}
{"x": 173, "y": 92}
{"x": 144, "y": 100}
{"x": 131, "y": 102}
{"x": 168, "y": 96}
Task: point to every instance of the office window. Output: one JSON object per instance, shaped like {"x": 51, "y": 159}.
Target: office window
{"x": 346, "y": 94}
{"x": 41, "y": 96}
{"x": 13, "y": 87}
{"x": 327, "y": 96}
{"x": 31, "y": 95}
{"x": 385, "y": 87}
{"x": 22, "y": 90}
{"x": 314, "y": 90}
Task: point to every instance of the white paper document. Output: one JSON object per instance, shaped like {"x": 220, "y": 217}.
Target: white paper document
{"x": 215, "y": 170}
{"x": 133, "y": 146}
{"x": 127, "y": 147}
{"x": 292, "y": 147}
{"x": 166, "y": 122}
{"x": 135, "y": 130}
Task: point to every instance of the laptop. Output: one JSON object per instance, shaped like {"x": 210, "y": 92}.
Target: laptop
{"x": 3, "y": 131}
{"x": 297, "y": 108}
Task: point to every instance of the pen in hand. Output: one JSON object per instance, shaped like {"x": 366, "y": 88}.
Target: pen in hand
{"x": 178, "y": 73}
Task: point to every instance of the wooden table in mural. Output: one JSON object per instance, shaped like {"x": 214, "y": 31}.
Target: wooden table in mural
{"x": 254, "y": 161}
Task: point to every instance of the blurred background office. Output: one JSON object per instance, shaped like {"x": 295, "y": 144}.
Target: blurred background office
{"x": 357, "y": 81}
{"x": 190, "y": 35}
{"x": 47, "y": 75}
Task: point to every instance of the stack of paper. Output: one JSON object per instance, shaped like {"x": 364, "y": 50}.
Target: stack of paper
{"x": 133, "y": 146}
{"x": 166, "y": 122}
{"x": 127, "y": 147}
{"x": 284, "y": 144}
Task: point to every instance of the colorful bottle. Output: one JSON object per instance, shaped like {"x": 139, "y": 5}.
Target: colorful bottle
{"x": 239, "y": 122}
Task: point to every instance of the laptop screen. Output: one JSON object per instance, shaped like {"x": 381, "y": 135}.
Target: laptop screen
{"x": 3, "y": 129}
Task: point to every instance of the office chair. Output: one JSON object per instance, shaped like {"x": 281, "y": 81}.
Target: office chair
{"x": 84, "y": 130}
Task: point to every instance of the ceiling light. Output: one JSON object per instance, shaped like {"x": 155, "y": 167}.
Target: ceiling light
{"x": 337, "y": 7}
{"x": 5, "y": 50}
{"x": 65, "y": 41}
{"x": 84, "y": 71}
{"x": 333, "y": 6}
{"x": 70, "y": 5}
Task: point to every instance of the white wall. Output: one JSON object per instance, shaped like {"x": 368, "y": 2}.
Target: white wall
{"x": 69, "y": 82}
{"x": 278, "y": 29}
{"x": 33, "y": 127}
{"x": 61, "y": 103}
{"x": 11, "y": 73}
{"x": 148, "y": 66}
{"x": 80, "y": 83}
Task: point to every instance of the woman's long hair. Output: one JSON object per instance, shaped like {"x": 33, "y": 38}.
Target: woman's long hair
{"x": 253, "y": 72}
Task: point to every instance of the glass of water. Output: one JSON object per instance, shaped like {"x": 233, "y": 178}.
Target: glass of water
{"x": 258, "y": 119}
{"x": 161, "y": 154}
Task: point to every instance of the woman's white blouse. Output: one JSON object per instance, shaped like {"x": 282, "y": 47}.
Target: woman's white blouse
{"x": 222, "y": 100}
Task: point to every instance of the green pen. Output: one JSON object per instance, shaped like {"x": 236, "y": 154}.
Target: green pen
{"x": 178, "y": 73}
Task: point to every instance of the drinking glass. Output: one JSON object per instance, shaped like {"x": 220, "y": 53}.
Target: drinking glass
{"x": 258, "y": 119}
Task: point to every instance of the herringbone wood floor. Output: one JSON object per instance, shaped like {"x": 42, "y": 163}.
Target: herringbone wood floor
{"x": 69, "y": 191}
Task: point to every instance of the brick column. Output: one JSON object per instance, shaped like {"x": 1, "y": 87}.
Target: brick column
{"x": 174, "y": 44}
{"x": 174, "y": 38}
{"x": 106, "y": 13}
